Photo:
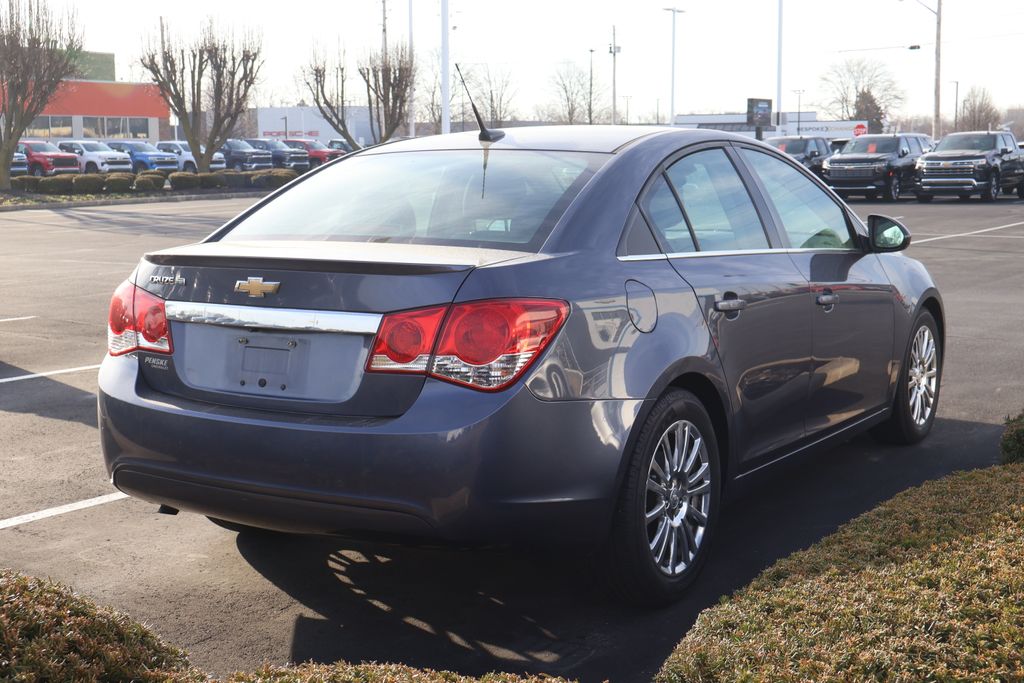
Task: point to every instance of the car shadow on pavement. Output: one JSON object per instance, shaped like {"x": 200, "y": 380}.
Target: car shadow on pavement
{"x": 547, "y": 611}
{"x": 46, "y": 397}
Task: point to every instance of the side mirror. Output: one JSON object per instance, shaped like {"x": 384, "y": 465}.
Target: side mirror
{"x": 178, "y": 151}
{"x": 904, "y": 151}
{"x": 811, "y": 154}
{"x": 1005, "y": 150}
{"x": 887, "y": 234}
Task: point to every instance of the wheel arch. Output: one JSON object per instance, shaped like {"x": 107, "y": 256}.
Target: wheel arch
{"x": 710, "y": 397}
{"x": 932, "y": 304}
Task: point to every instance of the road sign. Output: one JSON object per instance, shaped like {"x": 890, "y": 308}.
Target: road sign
{"x": 859, "y": 129}
{"x": 759, "y": 112}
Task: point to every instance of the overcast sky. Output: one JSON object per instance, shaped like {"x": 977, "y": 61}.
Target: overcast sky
{"x": 726, "y": 49}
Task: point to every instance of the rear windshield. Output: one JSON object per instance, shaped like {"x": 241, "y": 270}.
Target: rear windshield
{"x": 967, "y": 142}
{"x": 502, "y": 199}
{"x": 870, "y": 145}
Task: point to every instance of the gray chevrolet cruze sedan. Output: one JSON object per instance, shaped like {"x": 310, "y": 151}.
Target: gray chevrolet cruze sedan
{"x": 573, "y": 334}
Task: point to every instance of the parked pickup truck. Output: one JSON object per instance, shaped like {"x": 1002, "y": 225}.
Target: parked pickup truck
{"x": 872, "y": 165}
{"x": 19, "y": 165}
{"x": 186, "y": 160}
{"x": 145, "y": 156}
{"x": 241, "y": 156}
{"x": 319, "y": 153}
{"x": 45, "y": 158}
{"x": 963, "y": 164}
{"x": 283, "y": 155}
{"x": 809, "y": 151}
{"x": 96, "y": 157}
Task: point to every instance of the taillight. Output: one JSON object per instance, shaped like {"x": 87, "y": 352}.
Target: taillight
{"x": 486, "y": 345}
{"x": 405, "y": 340}
{"x": 137, "y": 320}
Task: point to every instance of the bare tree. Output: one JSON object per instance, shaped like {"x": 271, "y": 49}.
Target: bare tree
{"x": 326, "y": 84}
{"x": 571, "y": 85}
{"x": 388, "y": 76}
{"x": 206, "y": 83}
{"x": 977, "y": 112}
{"x": 845, "y": 81}
{"x": 37, "y": 51}
{"x": 499, "y": 91}
{"x": 1014, "y": 118}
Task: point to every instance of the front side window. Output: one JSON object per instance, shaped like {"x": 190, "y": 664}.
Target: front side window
{"x": 716, "y": 202}
{"x": 501, "y": 199}
{"x": 810, "y": 218}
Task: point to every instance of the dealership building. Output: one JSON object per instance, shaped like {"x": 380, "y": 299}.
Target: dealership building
{"x": 792, "y": 123}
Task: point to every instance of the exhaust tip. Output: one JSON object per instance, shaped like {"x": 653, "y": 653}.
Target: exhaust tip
{"x": 167, "y": 510}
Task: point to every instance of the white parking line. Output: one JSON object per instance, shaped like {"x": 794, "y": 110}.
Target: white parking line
{"x": 967, "y": 234}
{"x": 11, "y": 320}
{"x": 48, "y": 374}
{"x": 60, "y": 510}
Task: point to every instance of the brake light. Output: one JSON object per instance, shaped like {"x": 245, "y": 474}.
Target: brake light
{"x": 137, "y": 320}
{"x": 485, "y": 345}
{"x": 405, "y": 340}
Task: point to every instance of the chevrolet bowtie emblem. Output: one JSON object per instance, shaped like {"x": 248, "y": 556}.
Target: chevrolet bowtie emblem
{"x": 256, "y": 287}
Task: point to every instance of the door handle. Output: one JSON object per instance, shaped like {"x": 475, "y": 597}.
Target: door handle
{"x": 730, "y": 305}
{"x": 828, "y": 299}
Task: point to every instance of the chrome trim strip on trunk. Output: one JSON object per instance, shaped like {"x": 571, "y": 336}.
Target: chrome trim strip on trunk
{"x": 294, "y": 319}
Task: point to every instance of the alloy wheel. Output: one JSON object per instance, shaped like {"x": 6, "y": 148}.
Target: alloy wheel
{"x": 922, "y": 376}
{"x": 894, "y": 188}
{"x": 678, "y": 497}
{"x": 993, "y": 189}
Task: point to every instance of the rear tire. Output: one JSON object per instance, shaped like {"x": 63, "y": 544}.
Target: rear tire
{"x": 924, "y": 198}
{"x": 909, "y": 424}
{"x": 668, "y": 510}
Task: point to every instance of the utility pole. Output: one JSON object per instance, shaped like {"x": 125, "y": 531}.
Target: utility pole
{"x": 285, "y": 119}
{"x": 384, "y": 29}
{"x": 412, "y": 85}
{"x": 778, "y": 74}
{"x": 937, "y": 117}
{"x": 627, "y": 98}
{"x": 614, "y": 50}
{"x": 672, "y": 99}
{"x": 590, "y": 95}
{"x": 446, "y": 91}
{"x": 799, "y": 94}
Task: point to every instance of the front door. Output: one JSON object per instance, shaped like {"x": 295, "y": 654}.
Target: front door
{"x": 753, "y": 297}
{"x": 850, "y": 300}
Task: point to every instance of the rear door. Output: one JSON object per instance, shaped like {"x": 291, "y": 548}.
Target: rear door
{"x": 851, "y": 298}
{"x": 753, "y": 296}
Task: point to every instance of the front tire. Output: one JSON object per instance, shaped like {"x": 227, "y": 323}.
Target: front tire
{"x": 37, "y": 171}
{"x": 90, "y": 167}
{"x": 992, "y": 191}
{"x": 892, "y": 189}
{"x": 917, "y": 394}
{"x": 669, "y": 505}
{"x": 189, "y": 167}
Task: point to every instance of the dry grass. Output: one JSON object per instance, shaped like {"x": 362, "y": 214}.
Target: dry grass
{"x": 928, "y": 586}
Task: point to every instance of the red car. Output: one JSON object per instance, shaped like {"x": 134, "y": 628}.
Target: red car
{"x": 319, "y": 153}
{"x": 45, "y": 158}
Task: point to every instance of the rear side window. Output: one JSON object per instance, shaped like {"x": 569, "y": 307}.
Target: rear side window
{"x": 717, "y": 203}
{"x": 666, "y": 217}
{"x": 810, "y": 218}
{"x": 496, "y": 198}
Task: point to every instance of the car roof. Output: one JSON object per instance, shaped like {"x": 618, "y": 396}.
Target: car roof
{"x": 582, "y": 138}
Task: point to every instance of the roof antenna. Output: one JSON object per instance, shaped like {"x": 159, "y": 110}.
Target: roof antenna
{"x": 486, "y": 135}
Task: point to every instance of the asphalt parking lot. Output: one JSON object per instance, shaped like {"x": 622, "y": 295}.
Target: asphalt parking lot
{"x": 238, "y": 600}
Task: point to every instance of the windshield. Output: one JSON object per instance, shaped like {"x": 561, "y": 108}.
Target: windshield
{"x": 96, "y": 147}
{"x": 868, "y": 144}
{"x": 789, "y": 145}
{"x": 507, "y": 198}
{"x": 140, "y": 147}
{"x": 316, "y": 144}
{"x": 339, "y": 144}
{"x": 967, "y": 142}
{"x": 241, "y": 145}
{"x": 275, "y": 144}
{"x": 43, "y": 147}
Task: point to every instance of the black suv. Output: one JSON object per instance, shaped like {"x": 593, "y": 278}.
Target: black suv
{"x": 963, "y": 164}
{"x": 241, "y": 156}
{"x": 283, "y": 156}
{"x": 873, "y": 165}
{"x": 811, "y": 152}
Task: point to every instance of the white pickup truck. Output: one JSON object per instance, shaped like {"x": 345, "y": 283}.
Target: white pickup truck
{"x": 186, "y": 161}
{"x": 96, "y": 157}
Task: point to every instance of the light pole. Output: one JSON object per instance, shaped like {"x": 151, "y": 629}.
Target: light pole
{"x": 412, "y": 85}
{"x": 285, "y": 119}
{"x": 614, "y": 51}
{"x": 672, "y": 98}
{"x": 956, "y": 105}
{"x": 446, "y": 92}
{"x": 627, "y": 98}
{"x": 937, "y": 119}
{"x": 590, "y": 94}
{"x": 799, "y": 94}
{"x": 778, "y": 74}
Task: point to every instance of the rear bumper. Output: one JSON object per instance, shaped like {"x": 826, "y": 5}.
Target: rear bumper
{"x": 458, "y": 466}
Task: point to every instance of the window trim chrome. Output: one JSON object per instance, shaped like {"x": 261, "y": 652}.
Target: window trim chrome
{"x": 258, "y": 317}
{"x": 737, "y": 252}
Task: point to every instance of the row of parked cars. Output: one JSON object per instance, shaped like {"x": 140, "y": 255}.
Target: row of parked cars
{"x": 44, "y": 158}
{"x": 982, "y": 163}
